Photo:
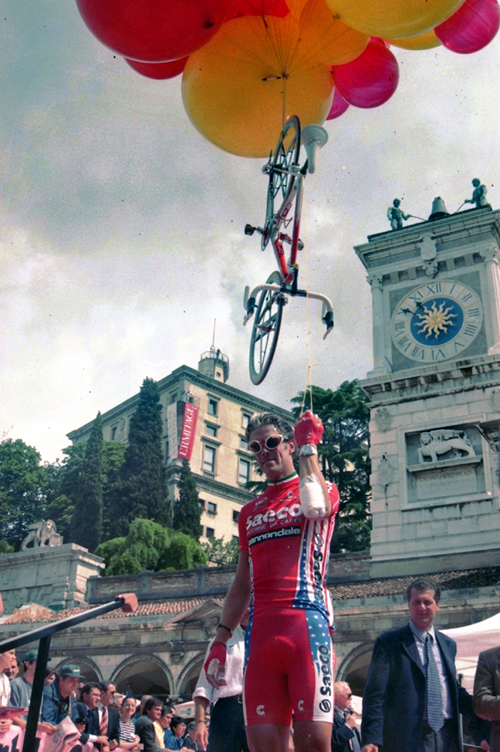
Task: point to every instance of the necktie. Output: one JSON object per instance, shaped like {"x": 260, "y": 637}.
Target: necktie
{"x": 435, "y": 717}
{"x": 103, "y": 726}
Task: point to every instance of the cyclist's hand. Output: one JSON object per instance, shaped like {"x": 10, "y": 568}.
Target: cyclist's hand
{"x": 215, "y": 665}
{"x": 309, "y": 429}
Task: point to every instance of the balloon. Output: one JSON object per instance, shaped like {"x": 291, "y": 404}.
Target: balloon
{"x": 393, "y": 18}
{"x": 159, "y": 71}
{"x": 339, "y": 106}
{"x": 327, "y": 39}
{"x": 156, "y": 30}
{"x": 471, "y": 28}
{"x": 425, "y": 41}
{"x": 261, "y": 8}
{"x": 240, "y": 87}
{"x": 370, "y": 80}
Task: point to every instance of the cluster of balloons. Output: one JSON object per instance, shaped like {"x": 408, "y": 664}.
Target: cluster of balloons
{"x": 249, "y": 64}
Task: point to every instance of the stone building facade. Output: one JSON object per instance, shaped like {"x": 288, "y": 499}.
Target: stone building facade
{"x": 204, "y": 419}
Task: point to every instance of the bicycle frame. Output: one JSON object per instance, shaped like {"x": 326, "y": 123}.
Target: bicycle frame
{"x": 277, "y": 238}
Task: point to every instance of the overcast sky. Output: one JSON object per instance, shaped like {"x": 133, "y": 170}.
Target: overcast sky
{"x": 122, "y": 229}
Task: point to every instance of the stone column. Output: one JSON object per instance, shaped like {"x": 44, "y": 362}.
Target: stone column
{"x": 490, "y": 258}
{"x": 379, "y": 362}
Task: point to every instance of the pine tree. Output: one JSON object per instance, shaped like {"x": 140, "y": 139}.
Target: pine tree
{"x": 187, "y": 510}
{"x": 141, "y": 489}
{"x": 86, "y": 524}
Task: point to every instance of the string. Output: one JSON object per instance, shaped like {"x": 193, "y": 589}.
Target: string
{"x": 310, "y": 366}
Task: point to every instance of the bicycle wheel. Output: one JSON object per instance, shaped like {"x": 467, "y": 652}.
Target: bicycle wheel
{"x": 266, "y": 330}
{"x": 280, "y": 179}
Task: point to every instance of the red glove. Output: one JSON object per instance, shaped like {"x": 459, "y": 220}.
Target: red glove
{"x": 309, "y": 429}
{"x": 216, "y": 660}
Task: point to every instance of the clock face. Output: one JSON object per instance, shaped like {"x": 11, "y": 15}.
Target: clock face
{"x": 436, "y": 321}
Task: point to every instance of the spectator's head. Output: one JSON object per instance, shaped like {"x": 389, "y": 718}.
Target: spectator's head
{"x": 12, "y": 671}
{"x": 128, "y": 707}
{"x": 117, "y": 702}
{"x": 50, "y": 677}
{"x": 178, "y": 726}
{"x": 91, "y": 694}
{"x": 142, "y": 703}
{"x": 69, "y": 678}
{"x": 191, "y": 730}
{"x": 7, "y": 660}
{"x": 29, "y": 663}
{"x": 166, "y": 716}
{"x": 108, "y": 691}
{"x": 152, "y": 708}
{"x": 342, "y": 694}
{"x": 423, "y": 602}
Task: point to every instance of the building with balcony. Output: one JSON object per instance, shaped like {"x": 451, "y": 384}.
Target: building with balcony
{"x": 204, "y": 420}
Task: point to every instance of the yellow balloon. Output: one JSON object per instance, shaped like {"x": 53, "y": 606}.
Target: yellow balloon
{"x": 393, "y": 18}
{"x": 425, "y": 41}
{"x": 240, "y": 88}
{"x": 327, "y": 39}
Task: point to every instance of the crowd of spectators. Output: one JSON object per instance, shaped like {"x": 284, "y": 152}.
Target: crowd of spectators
{"x": 104, "y": 718}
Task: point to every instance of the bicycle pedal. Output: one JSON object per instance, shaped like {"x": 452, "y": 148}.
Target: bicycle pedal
{"x": 249, "y": 229}
{"x": 300, "y": 245}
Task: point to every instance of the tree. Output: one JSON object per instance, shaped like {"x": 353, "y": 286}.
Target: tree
{"x": 86, "y": 524}
{"x": 141, "y": 489}
{"x": 220, "y": 552}
{"x": 344, "y": 459}
{"x": 187, "y": 510}
{"x": 150, "y": 546}
{"x": 23, "y": 482}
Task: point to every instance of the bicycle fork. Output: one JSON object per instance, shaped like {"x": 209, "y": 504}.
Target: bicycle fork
{"x": 292, "y": 289}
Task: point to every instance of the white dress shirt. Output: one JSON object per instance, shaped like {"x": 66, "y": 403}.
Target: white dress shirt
{"x": 234, "y": 671}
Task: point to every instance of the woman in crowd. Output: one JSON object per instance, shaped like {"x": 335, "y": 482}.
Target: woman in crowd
{"x": 176, "y": 742}
{"x": 128, "y": 737}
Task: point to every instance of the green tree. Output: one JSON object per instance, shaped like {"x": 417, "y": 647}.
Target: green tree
{"x": 141, "y": 489}
{"x": 86, "y": 524}
{"x": 187, "y": 510}
{"x": 220, "y": 552}
{"x": 23, "y": 482}
{"x": 150, "y": 546}
{"x": 344, "y": 459}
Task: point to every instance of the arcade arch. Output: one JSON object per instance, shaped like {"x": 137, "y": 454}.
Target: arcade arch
{"x": 147, "y": 675}
{"x": 189, "y": 677}
{"x": 354, "y": 668}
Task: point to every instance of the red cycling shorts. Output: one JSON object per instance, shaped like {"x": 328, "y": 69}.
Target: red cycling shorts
{"x": 289, "y": 668}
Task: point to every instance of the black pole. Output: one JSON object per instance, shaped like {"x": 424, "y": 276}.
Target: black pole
{"x": 36, "y": 695}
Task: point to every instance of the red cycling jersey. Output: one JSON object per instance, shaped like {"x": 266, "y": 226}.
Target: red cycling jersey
{"x": 288, "y": 552}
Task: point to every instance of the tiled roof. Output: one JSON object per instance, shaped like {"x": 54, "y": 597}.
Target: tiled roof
{"x": 456, "y": 580}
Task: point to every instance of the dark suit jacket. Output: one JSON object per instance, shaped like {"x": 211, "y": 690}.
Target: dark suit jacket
{"x": 146, "y": 732}
{"x": 394, "y": 697}
{"x": 80, "y": 710}
{"x": 487, "y": 692}
{"x": 92, "y": 725}
{"x": 341, "y": 733}
{"x": 113, "y": 732}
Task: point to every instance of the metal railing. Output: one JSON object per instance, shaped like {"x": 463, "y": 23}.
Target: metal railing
{"x": 128, "y": 603}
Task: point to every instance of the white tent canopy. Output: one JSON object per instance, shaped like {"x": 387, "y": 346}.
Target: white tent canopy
{"x": 471, "y": 640}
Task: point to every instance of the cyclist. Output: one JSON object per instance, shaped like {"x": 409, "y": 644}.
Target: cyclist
{"x": 284, "y": 544}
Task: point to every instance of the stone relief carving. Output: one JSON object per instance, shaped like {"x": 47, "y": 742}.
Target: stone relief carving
{"x": 385, "y": 471}
{"x": 42, "y": 533}
{"x": 428, "y": 251}
{"x": 382, "y": 418}
{"x": 434, "y": 444}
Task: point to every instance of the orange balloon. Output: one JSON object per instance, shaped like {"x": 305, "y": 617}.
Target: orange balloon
{"x": 329, "y": 40}
{"x": 393, "y": 19}
{"x": 425, "y": 41}
{"x": 239, "y": 89}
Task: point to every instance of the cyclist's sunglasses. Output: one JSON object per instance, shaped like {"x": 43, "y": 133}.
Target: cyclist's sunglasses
{"x": 270, "y": 443}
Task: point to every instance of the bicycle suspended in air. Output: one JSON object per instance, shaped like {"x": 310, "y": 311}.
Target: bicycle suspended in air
{"x": 283, "y": 208}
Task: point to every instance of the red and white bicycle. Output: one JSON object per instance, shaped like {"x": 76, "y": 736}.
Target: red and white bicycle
{"x": 284, "y": 206}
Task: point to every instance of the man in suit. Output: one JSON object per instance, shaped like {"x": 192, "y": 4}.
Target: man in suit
{"x": 144, "y": 726}
{"x": 487, "y": 693}
{"x": 86, "y": 711}
{"x": 410, "y": 701}
{"x": 108, "y": 717}
{"x": 345, "y": 735}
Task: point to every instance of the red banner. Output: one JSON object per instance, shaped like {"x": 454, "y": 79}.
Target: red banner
{"x": 186, "y": 442}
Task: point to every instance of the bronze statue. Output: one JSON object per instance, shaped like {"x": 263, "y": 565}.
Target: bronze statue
{"x": 395, "y": 215}
{"x": 478, "y": 195}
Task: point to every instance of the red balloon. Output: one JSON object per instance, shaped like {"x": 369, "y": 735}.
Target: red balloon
{"x": 261, "y": 8}
{"x": 159, "y": 71}
{"x": 471, "y": 28}
{"x": 339, "y": 106}
{"x": 157, "y": 30}
{"x": 370, "y": 80}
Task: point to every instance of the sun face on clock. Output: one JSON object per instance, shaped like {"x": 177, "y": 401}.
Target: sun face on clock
{"x": 436, "y": 321}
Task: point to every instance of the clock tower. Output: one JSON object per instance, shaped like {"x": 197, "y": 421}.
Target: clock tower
{"x": 435, "y": 385}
